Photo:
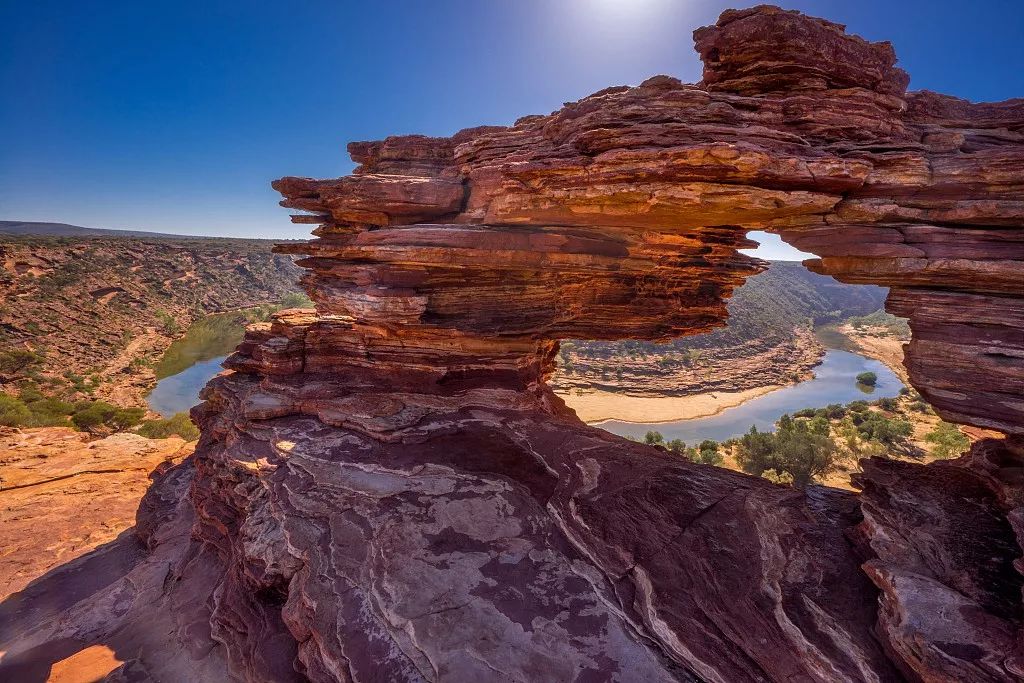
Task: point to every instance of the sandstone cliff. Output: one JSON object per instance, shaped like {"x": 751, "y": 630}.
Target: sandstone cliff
{"x": 386, "y": 489}
{"x": 768, "y": 341}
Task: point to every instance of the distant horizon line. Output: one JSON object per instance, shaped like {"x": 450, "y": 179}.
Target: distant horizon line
{"x": 142, "y": 232}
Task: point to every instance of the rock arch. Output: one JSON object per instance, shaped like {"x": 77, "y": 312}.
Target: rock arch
{"x": 386, "y": 489}
{"x": 446, "y": 270}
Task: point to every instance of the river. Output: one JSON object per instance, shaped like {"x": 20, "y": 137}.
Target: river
{"x": 834, "y": 381}
{"x": 192, "y": 361}
{"x": 195, "y": 359}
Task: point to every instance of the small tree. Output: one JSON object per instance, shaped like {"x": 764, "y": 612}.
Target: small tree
{"x": 707, "y": 453}
{"x": 869, "y": 379}
{"x": 947, "y": 440}
{"x": 676, "y": 446}
{"x": 755, "y": 452}
{"x": 805, "y": 455}
{"x": 887, "y": 431}
{"x": 654, "y": 438}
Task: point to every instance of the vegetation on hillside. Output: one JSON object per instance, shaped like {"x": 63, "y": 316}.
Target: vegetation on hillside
{"x": 34, "y": 409}
{"x": 880, "y": 320}
{"x": 92, "y": 312}
{"x": 767, "y": 340}
{"x": 35, "y": 399}
{"x": 765, "y": 310}
{"x": 812, "y": 443}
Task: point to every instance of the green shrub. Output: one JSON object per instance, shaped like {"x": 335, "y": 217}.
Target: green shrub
{"x": 49, "y": 412}
{"x": 126, "y": 418}
{"x": 13, "y": 412}
{"x": 94, "y": 415}
{"x": 797, "y": 449}
{"x": 834, "y": 411}
{"x": 756, "y": 452}
{"x": 90, "y": 416}
{"x": 869, "y": 379}
{"x": 707, "y": 453}
{"x": 178, "y": 424}
{"x": 892, "y": 432}
{"x": 887, "y": 404}
{"x": 168, "y": 325}
{"x": 14, "y": 362}
{"x": 296, "y": 300}
{"x": 676, "y": 446}
{"x": 947, "y": 440}
{"x": 651, "y": 438}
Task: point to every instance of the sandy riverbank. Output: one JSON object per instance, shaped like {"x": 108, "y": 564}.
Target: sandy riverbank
{"x": 874, "y": 344}
{"x": 597, "y": 406}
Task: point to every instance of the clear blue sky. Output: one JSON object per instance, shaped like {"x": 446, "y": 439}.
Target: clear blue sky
{"x": 175, "y": 116}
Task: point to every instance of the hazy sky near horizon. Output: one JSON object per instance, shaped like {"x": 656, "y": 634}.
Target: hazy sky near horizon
{"x": 175, "y": 116}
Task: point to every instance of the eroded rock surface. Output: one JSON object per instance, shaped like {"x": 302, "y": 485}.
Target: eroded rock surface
{"x": 386, "y": 489}
{"x": 62, "y": 495}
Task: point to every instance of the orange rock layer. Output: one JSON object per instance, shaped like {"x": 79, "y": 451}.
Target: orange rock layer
{"x": 387, "y": 490}
{"x": 618, "y": 216}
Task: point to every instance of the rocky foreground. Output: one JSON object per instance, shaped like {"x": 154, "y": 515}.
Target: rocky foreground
{"x": 62, "y": 495}
{"x": 387, "y": 490}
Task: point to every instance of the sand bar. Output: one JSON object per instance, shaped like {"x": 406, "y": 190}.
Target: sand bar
{"x": 598, "y": 406}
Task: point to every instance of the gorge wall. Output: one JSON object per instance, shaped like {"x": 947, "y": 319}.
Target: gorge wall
{"x": 386, "y": 489}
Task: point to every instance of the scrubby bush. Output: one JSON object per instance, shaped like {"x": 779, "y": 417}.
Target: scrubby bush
{"x": 178, "y": 424}
{"x": 676, "y": 446}
{"x": 92, "y": 416}
{"x": 834, "y": 411}
{"x": 14, "y": 412}
{"x": 14, "y": 362}
{"x": 892, "y": 432}
{"x": 947, "y": 440}
{"x": 797, "y": 448}
{"x": 654, "y": 438}
{"x": 887, "y": 404}
{"x": 168, "y": 325}
{"x": 47, "y": 412}
{"x": 707, "y": 453}
{"x": 869, "y": 379}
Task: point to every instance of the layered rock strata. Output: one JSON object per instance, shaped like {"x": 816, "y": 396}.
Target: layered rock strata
{"x": 386, "y": 489}
{"x": 600, "y": 219}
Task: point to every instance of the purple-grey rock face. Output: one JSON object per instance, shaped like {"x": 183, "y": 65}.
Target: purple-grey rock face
{"x": 386, "y": 489}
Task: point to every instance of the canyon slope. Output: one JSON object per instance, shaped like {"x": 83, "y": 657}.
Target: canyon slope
{"x": 386, "y": 488}
{"x": 768, "y": 341}
{"x": 102, "y": 309}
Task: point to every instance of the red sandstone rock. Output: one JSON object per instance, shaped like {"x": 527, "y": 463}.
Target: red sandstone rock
{"x": 61, "y": 495}
{"x": 386, "y": 489}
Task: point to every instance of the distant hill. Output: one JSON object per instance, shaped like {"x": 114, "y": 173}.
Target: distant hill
{"x": 95, "y": 312}
{"x": 67, "y": 230}
{"x": 768, "y": 340}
